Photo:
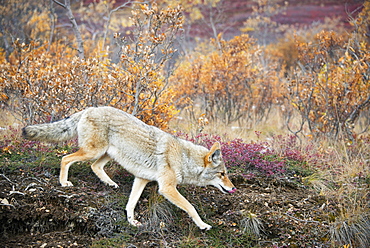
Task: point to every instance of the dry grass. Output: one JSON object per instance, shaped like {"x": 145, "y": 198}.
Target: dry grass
{"x": 351, "y": 232}
{"x": 8, "y": 121}
{"x": 344, "y": 179}
{"x": 159, "y": 213}
{"x": 251, "y": 225}
{"x": 189, "y": 122}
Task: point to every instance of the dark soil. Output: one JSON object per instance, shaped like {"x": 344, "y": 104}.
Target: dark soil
{"x": 36, "y": 212}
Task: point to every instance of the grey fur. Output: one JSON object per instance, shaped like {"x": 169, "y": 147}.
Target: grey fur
{"x": 58, "y": 131}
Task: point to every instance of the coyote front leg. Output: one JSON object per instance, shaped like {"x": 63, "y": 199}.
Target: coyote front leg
{"x": 98, "y": 168}
{"x": 171, "y": 193}
{"x": 137, "y": 189}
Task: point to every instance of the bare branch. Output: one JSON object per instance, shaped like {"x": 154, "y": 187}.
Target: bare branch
{"x": 112, "y": 12}
{"x": 59, "y": 3}
{"x": 75, "y": 28}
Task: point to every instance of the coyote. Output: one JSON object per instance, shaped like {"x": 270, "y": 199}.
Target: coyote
{"x": 150, "y": 154}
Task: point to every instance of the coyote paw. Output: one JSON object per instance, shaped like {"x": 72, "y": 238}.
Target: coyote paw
{"x": 66, "y": 184}
{"x": 205, "y": 227}
{"x": 135, "y": 223}
{"x": 114, "y": 185}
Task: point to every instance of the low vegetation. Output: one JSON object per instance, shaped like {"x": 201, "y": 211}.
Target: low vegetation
{"x": 288, "y": 193}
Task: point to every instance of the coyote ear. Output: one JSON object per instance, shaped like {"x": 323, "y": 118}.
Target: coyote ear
{"x": 214, "y": 155}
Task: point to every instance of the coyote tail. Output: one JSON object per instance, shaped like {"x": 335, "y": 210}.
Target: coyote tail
{"x": 57, "y": 131}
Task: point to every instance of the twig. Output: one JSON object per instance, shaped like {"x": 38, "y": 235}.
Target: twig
{"x": 6, "y": 178}
{"x": 13, "y": 191}
{"x": 7, "y": 205}
{"x": 5, "y": 202}
{"x": 59, "y": 3}
{"x": 307, "y": 221}
{"x": 36, "y": 179}
{"x": 30, "y": 186}
{"x": 110, "y": 16}
{"x": 68, "y": 196}
{"x": 59, "y": 191}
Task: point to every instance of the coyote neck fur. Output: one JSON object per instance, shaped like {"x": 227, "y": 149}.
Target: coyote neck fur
{"x": 191, "y": 172}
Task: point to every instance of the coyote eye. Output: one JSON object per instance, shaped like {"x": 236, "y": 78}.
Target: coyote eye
{"x": 222, "y": 174}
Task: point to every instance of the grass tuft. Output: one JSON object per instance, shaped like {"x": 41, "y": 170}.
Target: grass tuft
{"x": 251, "y": 225}
{"x": 159, "y": 213}
{"x": 355, "y": 233}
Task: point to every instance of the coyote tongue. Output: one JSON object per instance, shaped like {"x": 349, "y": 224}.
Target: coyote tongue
{"x": 232, "y": 191}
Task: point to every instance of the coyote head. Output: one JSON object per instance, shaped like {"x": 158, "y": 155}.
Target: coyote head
{"x": 215, "y": 173}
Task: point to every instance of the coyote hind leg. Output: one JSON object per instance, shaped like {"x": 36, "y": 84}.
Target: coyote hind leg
{"x": 98, "y": 168}
{"x": 68, "y": 160}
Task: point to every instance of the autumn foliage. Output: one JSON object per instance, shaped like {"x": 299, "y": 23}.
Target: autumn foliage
{"x": 43, "y": 81}
{"x": 132, "y": 60}
{"x": 330, "y": 84}
{"x": 324, "y": 79}
{"x": 230, "y": 83}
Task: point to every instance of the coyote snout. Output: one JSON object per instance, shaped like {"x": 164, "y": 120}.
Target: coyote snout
{"x": 226, "y": 190}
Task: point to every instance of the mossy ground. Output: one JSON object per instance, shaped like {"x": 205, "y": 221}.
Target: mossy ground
{"x": 41, "y": 213}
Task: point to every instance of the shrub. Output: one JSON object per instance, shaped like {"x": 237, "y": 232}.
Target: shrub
{"x": 249, "y": 157}
{"x": 329, "y": 85}
{"x": 43, "y": 82}
{"x": 230, "y": 83}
